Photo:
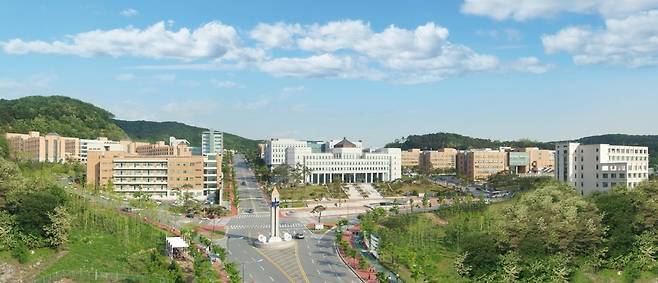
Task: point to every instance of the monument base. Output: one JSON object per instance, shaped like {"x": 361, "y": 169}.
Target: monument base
{"x": 274, "y": 242}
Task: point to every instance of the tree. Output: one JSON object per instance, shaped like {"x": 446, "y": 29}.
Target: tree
{"x": 511, "y": 267}
{"x": 10, "y": 179}
{"x": 381, "y": 277}
{"x": 552, "y": 219}
{"x": 60, "y": 226}
{"x": 426, "y": 200}
{"x": 282, "y": 174}
{"x": 8, "y": 230}
{"x": 620, "y": 214}
{"x": 319, "y": 209}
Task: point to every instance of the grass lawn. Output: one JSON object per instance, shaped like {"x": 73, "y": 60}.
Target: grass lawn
{"x": 312, "y": 192}
{"x": 410, "y": 187}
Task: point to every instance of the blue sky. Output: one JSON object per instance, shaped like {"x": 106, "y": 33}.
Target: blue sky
{"x": 370, "y": 70}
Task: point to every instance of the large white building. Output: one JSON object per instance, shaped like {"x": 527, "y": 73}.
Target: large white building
{"x": 346, "y": 162}
{"x": 275, "y": 150}
{"x": 100, "y": 144}
{"x": 600, "y": 167}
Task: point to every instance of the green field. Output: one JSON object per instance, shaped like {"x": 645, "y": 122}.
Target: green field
{"x": 312, "y": 192}
{"x": 410, "y": 187}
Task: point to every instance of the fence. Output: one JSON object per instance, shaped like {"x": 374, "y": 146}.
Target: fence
{"x": 95, "y": 276}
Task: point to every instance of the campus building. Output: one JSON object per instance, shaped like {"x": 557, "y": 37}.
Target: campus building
{"x": 102, "y": 143}
{"x": 162, "y": 170}
{"x": 539, "y": 160}
{"x": 481, "y": 164}
{"x": 600, "y": 167}
{"x": 212, "y": 142}
{"x": 49, "y": 148}
{"x": 345, "y": 161}
{"x": 411, "y": 157}
{"x": 442, "y": 159}
{"x": 275, "y": 150}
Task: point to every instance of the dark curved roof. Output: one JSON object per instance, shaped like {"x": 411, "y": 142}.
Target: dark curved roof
{"x": 344, "y": 144}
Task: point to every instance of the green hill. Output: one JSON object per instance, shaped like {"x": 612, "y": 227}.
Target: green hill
{"x": 441, "y": 140}
{"x": 155, "y": 131}
{"x": 74, "y": 118}
{"x": 63, "y": 115}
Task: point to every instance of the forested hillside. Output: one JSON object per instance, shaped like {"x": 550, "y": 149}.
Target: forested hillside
{"x": 60, "y": 114}
{"x": 74, "y": 118}
{"x": 441, "y": 140}
{"x": 155, "y": 131}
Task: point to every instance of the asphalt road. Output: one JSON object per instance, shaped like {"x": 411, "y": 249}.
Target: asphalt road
{"x": 314, "y": 258}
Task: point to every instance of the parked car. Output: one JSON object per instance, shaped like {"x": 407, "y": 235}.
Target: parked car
{"x": 189, "y": 215}
{"x": 250, "y": 210}
{"x": 299, "y": 235}
{"x": 244, "y": 183}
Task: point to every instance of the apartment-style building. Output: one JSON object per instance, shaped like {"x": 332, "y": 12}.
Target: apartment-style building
{"x": 600, "y": 167}
{"x": 162, "y": 170}
{"x": 49, "y": 148}
{"x": 480, "y": 164}
{"x": 411, "y": 157}
{"x": 441, "y": 159}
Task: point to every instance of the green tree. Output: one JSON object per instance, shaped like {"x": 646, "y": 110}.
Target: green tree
{"x": 620, "y": 214}
{"x": 60, "y": 226}
{"x": 551, "y": 219}
{"x": 319, "y": 209}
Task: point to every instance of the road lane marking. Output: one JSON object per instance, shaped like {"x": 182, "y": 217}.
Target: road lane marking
{"x": 272, "y": 279}
{"x": 299, "y": 264}
{"x": 262, "y": 268}
{"x": 275, "y": 265}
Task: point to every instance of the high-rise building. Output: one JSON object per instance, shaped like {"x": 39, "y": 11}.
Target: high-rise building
{"x": 600, "y": 167}
{"x": 212, "y": 142}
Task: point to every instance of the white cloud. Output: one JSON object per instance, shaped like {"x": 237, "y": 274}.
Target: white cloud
{"x": 275, "y": 35}
{"x": 521, "y": 10}
{"x": 212, "y": 40}
{"x": 631, "y": 41}
{"x": 318, "y": 66}
{"x": 530, "y": 65}
{"x": 334, "y": 36}
{"x": 225, "y": 84}
{"x": 125, "y": 77}
{"x": 290, "y": 89}
{"x": 129, "y": 13}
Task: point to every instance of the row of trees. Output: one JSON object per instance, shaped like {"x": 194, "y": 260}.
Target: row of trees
{"x": 550, "y": 233}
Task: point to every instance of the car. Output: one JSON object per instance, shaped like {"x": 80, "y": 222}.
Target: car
{"x": 189, "y": 215}
{"x": 158, "y": 202}
{"x": 299, "y": 235}
{"x": 244, "y": 183}
{"x": 127, "y": 209}
{"x": 250, "y": 210}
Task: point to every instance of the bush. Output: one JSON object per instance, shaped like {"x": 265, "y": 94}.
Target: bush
{"x": 20, "y": 252}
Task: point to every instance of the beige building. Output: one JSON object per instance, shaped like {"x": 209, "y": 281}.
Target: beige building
{"x": 51, "y": 147}
{"x": 261, "y": 150}
{"x": 540, "y": 159}
{"x": 158, "y": 169}
{"x": 411, "y": 157}
{"x": 160, "y": 176}
{"x": 442, "y": 159}
{"x": 480, "y": 164}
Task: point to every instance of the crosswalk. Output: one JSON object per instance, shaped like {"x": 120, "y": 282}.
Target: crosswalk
{"x": 254, "y": 215}
{"x": 264, "y": 226}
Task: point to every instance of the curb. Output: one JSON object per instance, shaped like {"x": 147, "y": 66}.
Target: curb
{"x": 348, "y": 266}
